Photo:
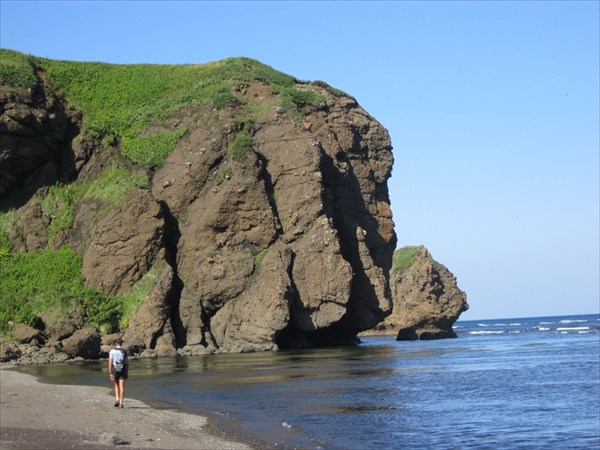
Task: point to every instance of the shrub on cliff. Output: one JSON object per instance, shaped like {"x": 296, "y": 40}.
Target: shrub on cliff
{"x": 240, "y": 146}
{"x": 405, "y": 257}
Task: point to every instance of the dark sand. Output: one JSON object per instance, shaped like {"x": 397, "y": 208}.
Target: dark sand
{"x": 34, "y": 415}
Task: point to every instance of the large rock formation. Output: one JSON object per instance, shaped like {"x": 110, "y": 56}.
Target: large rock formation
{"x": 312, "y": 202}
{"x": 285, "y": 244}
{"x": 427, "y": 300}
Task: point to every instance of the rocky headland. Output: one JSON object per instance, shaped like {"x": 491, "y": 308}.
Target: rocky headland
{"x": 195, "y": 209}
{"x": 192, "y": 209}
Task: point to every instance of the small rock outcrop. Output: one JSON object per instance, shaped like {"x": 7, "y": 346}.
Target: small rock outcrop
{"x": 9, "y": 351}
{"x": 427, "y": 300}
{"x": 84, "y": 343}
{"x": 24, "y": 334}
{"x": 150, "y": 326}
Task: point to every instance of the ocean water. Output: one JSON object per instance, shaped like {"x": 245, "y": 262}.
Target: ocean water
{"x": 510, "y": 383}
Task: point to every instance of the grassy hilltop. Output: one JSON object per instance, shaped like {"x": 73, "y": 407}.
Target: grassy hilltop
{"x": 122, "y": 100}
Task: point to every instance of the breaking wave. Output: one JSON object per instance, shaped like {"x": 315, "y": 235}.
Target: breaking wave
{"x": 558, "y": 325}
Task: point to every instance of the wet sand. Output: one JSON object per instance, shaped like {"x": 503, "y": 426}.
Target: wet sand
{"x": 34, "y": 415}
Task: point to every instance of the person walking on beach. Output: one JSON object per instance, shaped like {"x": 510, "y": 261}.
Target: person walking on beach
{"x": 118, "y": 366}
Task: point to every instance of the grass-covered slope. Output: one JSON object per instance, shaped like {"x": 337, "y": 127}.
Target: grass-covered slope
{"x": 122, "y": 100}
{"x": 49, "y": 285}
{"x": 405, "y": 257}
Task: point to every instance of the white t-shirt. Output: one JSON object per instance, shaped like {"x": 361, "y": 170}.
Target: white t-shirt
{"x": 118, "y": 355}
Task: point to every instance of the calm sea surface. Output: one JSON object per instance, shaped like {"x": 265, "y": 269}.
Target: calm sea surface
{"x": 514, "y": 383}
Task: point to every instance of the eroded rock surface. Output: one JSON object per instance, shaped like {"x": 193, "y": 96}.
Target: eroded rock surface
{"x": 36, "y": 131}
{"x": 125, "y": 245}
{"x": 84, "y": 343}
{"x": 427, "y": 300}
{"x": 321, "y": 194}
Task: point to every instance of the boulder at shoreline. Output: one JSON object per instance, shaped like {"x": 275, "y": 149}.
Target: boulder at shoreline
{"x": 427, "y": 300}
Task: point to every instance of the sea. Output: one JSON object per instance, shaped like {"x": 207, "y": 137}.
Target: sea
{"x": 524, "y": 383}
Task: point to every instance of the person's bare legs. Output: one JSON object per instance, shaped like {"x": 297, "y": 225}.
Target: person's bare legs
{"x": 118, "y": 398}
{"x": 120, "y": 389}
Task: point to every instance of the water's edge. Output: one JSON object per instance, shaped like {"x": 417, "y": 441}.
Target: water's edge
{"x": 506, "y": 382}
{"x": 217, "y": 425}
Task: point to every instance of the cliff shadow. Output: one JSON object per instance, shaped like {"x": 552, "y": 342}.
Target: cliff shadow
{"x": 343, "y": 202}
{"x": 37, "y": 152}
{"x": 171, "y": 242}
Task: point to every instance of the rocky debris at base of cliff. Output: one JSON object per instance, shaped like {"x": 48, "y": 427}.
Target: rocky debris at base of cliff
{"x": 60, "y": 342}
{"x": 84, "y": 343}
{"x": 427, "y": 300}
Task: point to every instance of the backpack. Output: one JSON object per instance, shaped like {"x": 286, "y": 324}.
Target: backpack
{"x": 119, "y": 361}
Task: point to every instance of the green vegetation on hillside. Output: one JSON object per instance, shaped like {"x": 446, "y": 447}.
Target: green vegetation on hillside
{"x": 8, "y": 221}
{"x": 405, "y": 257}
{"x": 240, "y": 146}
{"x": 55, "y": 288}
{"x": 15, "y": 69}
{"x": 123, "y": 100}
{"x": 49, "y": 283}
{"x": 111, "y": 189}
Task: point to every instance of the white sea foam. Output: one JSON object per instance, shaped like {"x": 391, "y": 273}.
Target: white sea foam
{"x": 515, "y": 324}
{"x": 572, "y": 328}
{"x": 286, "y": 425}
{"x": 572, "y": 321}
{"x": 486, "y": 332}
{"x": 543, "y": 329}
{"x": 546, "y": 323}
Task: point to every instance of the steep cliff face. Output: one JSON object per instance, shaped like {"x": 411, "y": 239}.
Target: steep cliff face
{"x": 427, "y": 300}
{"x": 258, "y": 231}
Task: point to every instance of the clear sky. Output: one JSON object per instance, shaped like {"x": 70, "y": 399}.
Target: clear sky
{"x": 492, "y": 107}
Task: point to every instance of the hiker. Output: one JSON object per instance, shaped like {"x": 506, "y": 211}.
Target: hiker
{"x": 118, "y": 366}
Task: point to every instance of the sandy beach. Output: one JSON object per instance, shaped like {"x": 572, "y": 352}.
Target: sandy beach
{"x": 35, "y": 415}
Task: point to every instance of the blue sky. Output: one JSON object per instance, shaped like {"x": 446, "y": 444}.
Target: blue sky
{"x": 492, "y": 107}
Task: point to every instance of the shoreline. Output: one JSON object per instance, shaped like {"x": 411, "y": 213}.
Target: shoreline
{"x": 34, "y": 414}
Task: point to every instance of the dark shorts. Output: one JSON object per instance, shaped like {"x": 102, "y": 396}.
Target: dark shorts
{"x": 122, "y": 375}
